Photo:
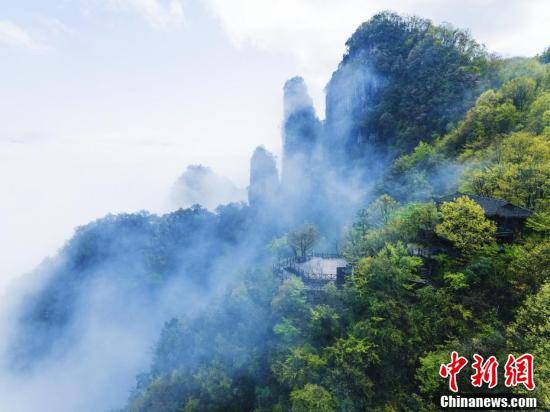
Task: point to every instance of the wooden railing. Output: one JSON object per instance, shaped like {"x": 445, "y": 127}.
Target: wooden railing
{"x": 293, "y": 260}
{"x": 290, "y": 266}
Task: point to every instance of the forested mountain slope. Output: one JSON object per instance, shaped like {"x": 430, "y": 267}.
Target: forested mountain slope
{"x": 414, "y": 112}
{"x": 378, "y": 342}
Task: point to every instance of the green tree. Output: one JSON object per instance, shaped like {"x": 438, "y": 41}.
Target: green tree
{"x": 324, "y": 324}
{"x": 516, "y": 169}
{"x": 464, "y": 224}
{"x": 538, "y": 119}
{"x": 539, "y": 222}
{"x": 351, "y": 361}
{"x": 280, "y": 247}
{"x": 427, "y": 373}
{"x": 391, "y": 272}
{"x": 381, "y": 209}
{"x": 302, "y": 365}
{"x": 492, "y": 115}
{"x": 412, "y": 223}
{"x": 301, "y": 240}
{"x": 521, "y": 91}
{"x": 530, "y": 333}
{"x": 312, "y": 398}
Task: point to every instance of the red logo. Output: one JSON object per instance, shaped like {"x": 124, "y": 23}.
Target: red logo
{"x": 451, "y": 369}
{"x": 484, "y": 371}
{"x": 516, "y": 371}
{"x": 519, "y": 370}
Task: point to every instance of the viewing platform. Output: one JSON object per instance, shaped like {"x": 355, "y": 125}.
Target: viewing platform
{"x": 315, "y": 270}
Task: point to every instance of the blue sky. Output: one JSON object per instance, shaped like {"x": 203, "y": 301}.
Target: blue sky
{"x": 105, "y": 102}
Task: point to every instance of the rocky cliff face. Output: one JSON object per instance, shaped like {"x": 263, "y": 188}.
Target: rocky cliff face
{"x": 351, "y": 96}
{"x": 264, "y": 179}
{"x": 401, "y": 81}
{"x": 301, "y": 133}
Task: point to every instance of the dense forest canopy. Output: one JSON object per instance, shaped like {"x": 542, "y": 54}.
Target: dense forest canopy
{"x": 415, "y": 112}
